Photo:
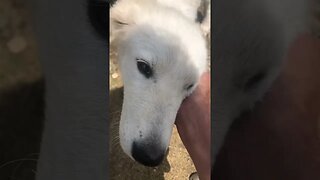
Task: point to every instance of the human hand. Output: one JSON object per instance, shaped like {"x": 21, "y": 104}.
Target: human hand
{"x": 194, "y": 126}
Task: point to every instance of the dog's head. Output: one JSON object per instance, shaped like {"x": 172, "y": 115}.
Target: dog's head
{"x": 161, "y": 56}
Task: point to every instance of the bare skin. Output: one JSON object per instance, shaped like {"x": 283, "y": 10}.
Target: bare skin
{"x": 193, "y": 124}
{"x": 290, "y": 112}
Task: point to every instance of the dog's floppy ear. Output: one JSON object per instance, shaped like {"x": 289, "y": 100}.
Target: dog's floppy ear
{"x": 122, "y": 16}
{"x": 125, "y": 14}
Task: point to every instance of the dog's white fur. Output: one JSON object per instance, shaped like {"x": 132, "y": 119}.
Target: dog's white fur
{"x": 166, "y": 35}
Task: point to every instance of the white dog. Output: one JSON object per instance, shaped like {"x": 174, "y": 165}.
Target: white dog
{"x": 162, "y": 54}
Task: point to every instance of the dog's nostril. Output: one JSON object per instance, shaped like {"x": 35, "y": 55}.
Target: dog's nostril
{"x": 148, "y": 154}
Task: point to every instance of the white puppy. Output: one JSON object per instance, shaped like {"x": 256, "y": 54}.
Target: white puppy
{"x": 162, "y": 54}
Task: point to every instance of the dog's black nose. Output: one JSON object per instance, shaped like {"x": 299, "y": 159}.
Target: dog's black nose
{"x": 149, "y": 154}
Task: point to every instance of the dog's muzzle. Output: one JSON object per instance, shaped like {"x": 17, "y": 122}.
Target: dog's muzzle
{"x": 148, "y": 153}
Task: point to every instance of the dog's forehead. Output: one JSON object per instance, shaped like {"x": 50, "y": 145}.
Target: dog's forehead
{"x": 158, "y": 46}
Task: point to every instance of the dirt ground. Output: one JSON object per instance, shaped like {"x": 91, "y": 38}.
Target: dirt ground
{"x": 21, "y": 109}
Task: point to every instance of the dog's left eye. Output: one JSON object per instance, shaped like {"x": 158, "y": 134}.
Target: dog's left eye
{"x": 144, "y": 68}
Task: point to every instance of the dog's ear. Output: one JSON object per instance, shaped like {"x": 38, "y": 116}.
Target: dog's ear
{"x": 122, "y": 16}
{"x": 125, "y": 14}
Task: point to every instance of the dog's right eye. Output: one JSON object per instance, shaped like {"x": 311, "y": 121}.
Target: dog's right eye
{"x": 144, "y": 68}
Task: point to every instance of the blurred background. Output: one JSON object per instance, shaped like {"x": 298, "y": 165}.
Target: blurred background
{"x": 21, "y": 93}
{"x": 22, "y": 108}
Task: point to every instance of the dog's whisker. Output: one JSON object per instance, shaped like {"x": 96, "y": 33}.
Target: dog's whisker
{"x": 116, "y": 112}
{"x": 115, "y": 140}
{"x": 114, "y": 127}
{"x": 114, "y": 131}
{"x": 115, "y": 146}
{"x": 116, "y": 123}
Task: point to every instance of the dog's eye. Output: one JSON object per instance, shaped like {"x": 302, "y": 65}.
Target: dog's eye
{"x": 188, "y": 87}
{"x": 144, "y": 68}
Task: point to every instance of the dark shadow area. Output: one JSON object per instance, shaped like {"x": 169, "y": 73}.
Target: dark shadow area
{"x": 264, "y": 148}
{"x": 21, "y": 119}
{"x": 22, "y": 107}
{"x": 277, "y": 140}
{"x": 121, "y": 166}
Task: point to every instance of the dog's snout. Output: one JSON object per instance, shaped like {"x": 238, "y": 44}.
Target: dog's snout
{"x": 147, "y": 153}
